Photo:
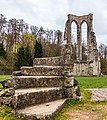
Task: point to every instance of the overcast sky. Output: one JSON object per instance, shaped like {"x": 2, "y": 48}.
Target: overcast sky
{"x": 53, "y": 13}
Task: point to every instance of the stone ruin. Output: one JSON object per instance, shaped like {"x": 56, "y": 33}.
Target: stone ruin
{"x": 40, "y": 91}
{"x": 91, "y": 66}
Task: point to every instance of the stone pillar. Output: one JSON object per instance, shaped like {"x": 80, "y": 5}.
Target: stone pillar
{"x": 79, "y": 44}
{"x": 89, "y": 36}
{"x": 68, "y": 31}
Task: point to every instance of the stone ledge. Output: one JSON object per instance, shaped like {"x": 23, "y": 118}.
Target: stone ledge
{"x": 41, "y": 112}
{"x": 50, "y": 61}
{"x": 42, "y": 70}
{"x": 28, "y": 97}
{"x": 38, "y": 81}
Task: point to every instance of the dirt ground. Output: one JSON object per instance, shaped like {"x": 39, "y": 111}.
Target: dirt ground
{"x": 86, "y": 112}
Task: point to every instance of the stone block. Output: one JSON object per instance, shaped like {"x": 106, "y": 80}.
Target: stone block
{"x": 42, "y": 70}
{"x": 38, "y": 81}
{"x": 28, "y": 97}
{"x": 45, "y": 111}
{"x": 49, "y": 61}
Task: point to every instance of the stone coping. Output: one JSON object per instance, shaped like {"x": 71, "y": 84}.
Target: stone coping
{"x": 33, "y": 90}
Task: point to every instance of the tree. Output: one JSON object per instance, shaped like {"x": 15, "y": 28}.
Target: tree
{"x": 104, "y": 66}
{"x": 28, "y": 40}
{"x": 28, "y": 57}
{"x": 24, "y": 57}
{"x": 38, "y": 52}
{"x": 2, "y": 51}
{"x": 20, "y": 58}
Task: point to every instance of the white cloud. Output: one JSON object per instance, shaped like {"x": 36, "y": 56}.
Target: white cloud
{"x": 53, "y": 13}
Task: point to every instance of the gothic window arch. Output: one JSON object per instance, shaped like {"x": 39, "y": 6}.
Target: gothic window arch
{"x": 74, "y": 27}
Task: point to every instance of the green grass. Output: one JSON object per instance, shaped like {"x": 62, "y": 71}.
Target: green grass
{"x": 5, "y": 113}
{"x": 92, "y": 82}
{"x": 3, "y": 77}
{"x": 84, "y": 83}
{"x": 79, "y": 105}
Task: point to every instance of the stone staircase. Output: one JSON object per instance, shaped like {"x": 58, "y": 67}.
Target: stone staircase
{"x": 39, "y": 93}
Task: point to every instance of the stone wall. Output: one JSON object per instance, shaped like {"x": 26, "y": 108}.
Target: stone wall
{"x": 93, "y": 58}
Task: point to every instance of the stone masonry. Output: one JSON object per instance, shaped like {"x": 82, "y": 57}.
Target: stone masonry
{"x": 40, "y": 91}
{"x": 92, "y": 65}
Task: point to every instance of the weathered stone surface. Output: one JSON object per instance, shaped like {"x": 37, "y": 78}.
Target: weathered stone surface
{"x": 28, "y": 97}
{"x": 6, "y": 83}
{"x": 49, "y": 61}
{"x": 7, "y": 92}
{"x": 71, "y": 88}
{"x": 16, "y": 73}
{"x": 45, "y": 111}
{"x": 82, "y": 68}
{"x": 6, "y": 96}
{"x": 98, "y": 94}
{"x": 42, "y": 70}
{"x": 38, "y": 81}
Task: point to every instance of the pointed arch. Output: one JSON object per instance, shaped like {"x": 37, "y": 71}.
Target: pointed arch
{"x": 84, "y": 33}
{"x": 74, "y": 26}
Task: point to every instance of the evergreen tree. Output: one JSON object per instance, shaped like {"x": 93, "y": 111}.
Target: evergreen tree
{"x": 38, "y": 51}
{"x": 2, "y": 51}
{"x": 20, "y": 58}
{"x": 24, "y": 57}
{"x": 28, "y": 57}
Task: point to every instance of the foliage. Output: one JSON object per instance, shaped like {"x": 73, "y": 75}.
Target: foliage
{"x": 104, "y": 66}
{"x": 2, "y": 51}
{"x": 51, "y": 50}
{"x": 24, "y": 57}
{"x": 20, "y": 58}
{"x": 38, "y": 52}
{"x": 28, "y": 57}
{"x": 11, "y": 58}
{"x": 28, "y": 40}
{"x": 5, "y": 113}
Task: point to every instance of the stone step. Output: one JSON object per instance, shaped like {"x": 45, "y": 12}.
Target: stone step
{"x": 49, "y": 61}
{"x": 32, "y": 96}
{"x": 45, "y": 111}
{"x": 37, "y": 81}
{"x": 42, "y": 70}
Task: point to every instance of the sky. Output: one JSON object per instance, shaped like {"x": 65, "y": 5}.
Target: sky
{"x": 52, "y": 14}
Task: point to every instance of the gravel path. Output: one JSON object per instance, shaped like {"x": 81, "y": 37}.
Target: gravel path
{"x": 98, "y": 94}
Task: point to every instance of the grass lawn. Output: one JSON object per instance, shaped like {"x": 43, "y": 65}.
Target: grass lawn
{"x": 3, "y": 77}
{"x": 85, "y": 109}
{"x": 92, "y": 82}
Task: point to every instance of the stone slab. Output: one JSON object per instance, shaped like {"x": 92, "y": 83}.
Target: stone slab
{"x": 50, "y": 61}
{"x": 44, "y": 111}
{"x": 37, "y": 81}
{"x": 98, "y": 94}
{"x": 42, "y": 70}
{"x": 32, "y": 96}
